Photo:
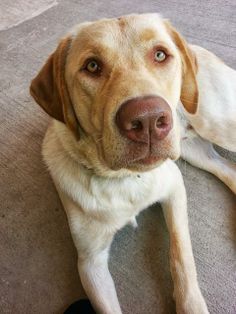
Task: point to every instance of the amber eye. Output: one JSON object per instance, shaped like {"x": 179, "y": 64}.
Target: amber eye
{"x": 160, "y": 56}
{"x": 93, "y": 67}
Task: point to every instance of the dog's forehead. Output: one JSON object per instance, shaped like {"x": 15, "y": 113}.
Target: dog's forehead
{"x": 115, "y": 32}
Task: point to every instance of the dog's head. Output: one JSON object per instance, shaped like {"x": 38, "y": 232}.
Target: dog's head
{"x": 116, "y": 83}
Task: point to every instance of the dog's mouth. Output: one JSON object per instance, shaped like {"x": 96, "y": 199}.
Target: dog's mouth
{"x": 119, "y": 153}
{"x": 149, "y": 160}
{"x": 144, "y": 159}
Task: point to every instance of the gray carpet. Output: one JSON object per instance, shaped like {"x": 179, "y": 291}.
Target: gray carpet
{"x": 38, "y": 261}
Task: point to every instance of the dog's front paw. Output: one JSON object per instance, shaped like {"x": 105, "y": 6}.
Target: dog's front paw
{"x": 192, "y": 303}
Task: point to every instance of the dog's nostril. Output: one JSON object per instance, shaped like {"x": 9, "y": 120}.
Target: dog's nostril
{"x": 136, "y": 125}
{"x": 161, "y": 122}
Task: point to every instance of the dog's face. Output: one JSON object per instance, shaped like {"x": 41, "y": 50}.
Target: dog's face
{"x": 116, "y": 84}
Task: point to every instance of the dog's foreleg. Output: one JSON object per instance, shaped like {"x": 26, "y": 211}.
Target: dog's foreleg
{"x": 201, "y": 153}
{"x": 187, "y": 293}
{"x": 98, "y": 283}
{"x": 92, "y": 240}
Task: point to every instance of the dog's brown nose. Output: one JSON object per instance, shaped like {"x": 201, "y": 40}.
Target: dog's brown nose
{"x": 145, "y": 119}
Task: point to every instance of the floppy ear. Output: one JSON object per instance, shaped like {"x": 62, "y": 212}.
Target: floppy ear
{"x": 189, "y": 88}
{"x": 50, "y": 91}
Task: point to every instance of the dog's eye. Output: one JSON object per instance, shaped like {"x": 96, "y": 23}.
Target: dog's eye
{"x": 160, "y": 56}
{"x": 93, "y": 67}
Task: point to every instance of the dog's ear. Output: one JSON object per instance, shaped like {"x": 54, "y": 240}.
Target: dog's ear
{"x": 189, "y": 88}
{"x": 49, "y": 88}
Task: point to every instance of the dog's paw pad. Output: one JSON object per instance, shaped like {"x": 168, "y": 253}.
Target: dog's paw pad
{"x": 80, "y": 307}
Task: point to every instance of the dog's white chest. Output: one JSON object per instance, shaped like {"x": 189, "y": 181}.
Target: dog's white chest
{"x": 119, "y": 199}
{"x": 127, "y": 193}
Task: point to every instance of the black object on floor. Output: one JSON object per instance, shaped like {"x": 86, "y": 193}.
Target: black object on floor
{"x": 80, "y": 307}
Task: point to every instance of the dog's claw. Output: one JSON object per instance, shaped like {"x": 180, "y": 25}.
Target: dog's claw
{"x": 133, "y": 223}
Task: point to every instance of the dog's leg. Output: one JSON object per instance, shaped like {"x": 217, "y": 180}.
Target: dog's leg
{"x": 187, "y": 293}
{"x": 92, "y": 241}
{"x": 97, "y": 281}
{"x": 201, "y": 153}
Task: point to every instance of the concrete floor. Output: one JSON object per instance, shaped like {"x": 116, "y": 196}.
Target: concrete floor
{"x": 38, "y": 261}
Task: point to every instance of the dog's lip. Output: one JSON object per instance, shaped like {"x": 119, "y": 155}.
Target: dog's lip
{"x": 149, "y": 160}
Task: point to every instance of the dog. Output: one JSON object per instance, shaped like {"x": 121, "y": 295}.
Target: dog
{"x": 128, "y": 96}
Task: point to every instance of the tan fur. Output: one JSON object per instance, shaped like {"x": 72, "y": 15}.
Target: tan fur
{"x": 96, "y": 100}
{"x": 189, "y": 90}
{"x": 148, "y": 34}
{"x": 50, "y": 90}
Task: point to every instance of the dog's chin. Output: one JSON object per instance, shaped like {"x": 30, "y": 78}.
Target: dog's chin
{"x": 126, "y": 166}
{"x": 145, "y": 163}
{"x": 125, "y": 160}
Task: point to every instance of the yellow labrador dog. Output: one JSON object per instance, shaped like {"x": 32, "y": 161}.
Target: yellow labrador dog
{"x": 114, "y": 88}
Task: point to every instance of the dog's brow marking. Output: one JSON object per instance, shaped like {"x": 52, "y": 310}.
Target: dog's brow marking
{"x": 122, "y": 23}
{"x": 148, "y": 34}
